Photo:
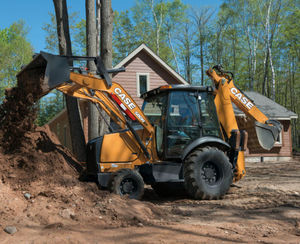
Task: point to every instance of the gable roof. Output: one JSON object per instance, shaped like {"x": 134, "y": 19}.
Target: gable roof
{"x": 270, "y": 108}
{"x": 163, "y": 64}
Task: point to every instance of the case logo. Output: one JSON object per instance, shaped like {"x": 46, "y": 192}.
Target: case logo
{"x": 125, "y": 99}
{"x": 244, "y": 100}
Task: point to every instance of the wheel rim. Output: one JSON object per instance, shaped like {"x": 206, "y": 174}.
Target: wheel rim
{"x": 210, "y": 173}
{"x": 128, "y": 186}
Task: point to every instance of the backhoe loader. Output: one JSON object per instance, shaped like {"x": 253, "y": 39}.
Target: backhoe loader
{"x": 183, "y": 133}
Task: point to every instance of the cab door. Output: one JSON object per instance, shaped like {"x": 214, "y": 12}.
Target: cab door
{"x": 183, "y": 122}
{"x": 155, "y": 108}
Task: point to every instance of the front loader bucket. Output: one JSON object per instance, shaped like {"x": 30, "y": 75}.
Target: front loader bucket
{"x": 44, "y": 73}
{"x": 266, "y": 134}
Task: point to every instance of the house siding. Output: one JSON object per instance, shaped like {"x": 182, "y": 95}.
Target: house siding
{"x": 60, "y": 125}
{"x": 142, "y": 63}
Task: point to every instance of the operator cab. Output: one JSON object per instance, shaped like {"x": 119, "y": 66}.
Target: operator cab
{"x": 180, "y": 115}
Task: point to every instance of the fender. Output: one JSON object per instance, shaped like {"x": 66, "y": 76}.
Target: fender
{"x": 202, "y": 141}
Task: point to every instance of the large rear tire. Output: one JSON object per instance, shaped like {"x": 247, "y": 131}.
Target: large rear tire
{"x": 127, "y": 182}
{"x": 207, "y": 173}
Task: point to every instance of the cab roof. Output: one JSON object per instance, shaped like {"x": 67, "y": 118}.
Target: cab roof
{"x": 170, "y": 88}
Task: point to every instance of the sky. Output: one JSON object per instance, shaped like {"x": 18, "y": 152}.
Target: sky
{"x": 35, "y": 13}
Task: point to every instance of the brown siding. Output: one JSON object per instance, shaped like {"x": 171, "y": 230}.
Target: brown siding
{"x": 60, "y": 125}
{"x": 143, "y": 63}
{"x": 254, "y": 149}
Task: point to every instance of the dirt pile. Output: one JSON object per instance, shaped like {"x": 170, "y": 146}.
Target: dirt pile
{"x": 19, "y": 110}
{"x": 39, "y": 186}
{"x": 39, "y": 178}
{"x": 17, "y": 116}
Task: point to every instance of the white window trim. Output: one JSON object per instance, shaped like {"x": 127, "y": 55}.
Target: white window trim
{"x": 279, "y": 143}
{"x": 138, "y": 82}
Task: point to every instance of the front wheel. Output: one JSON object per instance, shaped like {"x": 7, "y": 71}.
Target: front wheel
{"x": 127, "y": 182}
{"x": 207, "y": 173}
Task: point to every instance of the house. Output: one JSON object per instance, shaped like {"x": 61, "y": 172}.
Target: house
{"x": 145, "y": 71}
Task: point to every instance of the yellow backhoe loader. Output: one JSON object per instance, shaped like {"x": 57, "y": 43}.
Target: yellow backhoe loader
{"x": 183, "y": 133}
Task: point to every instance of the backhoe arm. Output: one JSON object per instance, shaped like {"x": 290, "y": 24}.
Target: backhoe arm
{"x": 226, "y": 94}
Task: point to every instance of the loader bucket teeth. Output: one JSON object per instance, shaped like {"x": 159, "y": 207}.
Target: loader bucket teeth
{"x": 266, "y": 135}
{"x": 44, "y": 72}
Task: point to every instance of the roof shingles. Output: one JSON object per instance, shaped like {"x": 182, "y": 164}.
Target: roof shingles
{"x": 270, "y": 108}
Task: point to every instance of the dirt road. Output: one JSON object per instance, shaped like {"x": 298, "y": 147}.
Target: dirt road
{"x": 264, "y": 207}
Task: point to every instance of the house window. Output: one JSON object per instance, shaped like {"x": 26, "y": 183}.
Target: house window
{"x": 142, "y": 83}
{"x": 278, "y": 142}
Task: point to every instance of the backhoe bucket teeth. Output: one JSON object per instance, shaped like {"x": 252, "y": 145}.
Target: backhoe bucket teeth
{"x": 44, "y": 73}
{"x": 266, "y": 134}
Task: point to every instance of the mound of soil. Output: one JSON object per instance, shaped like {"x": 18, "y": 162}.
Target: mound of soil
{"x": 39, "y": 178}
{"x": 17, "y": 114}
{"x": 39, "y": 186}
{"x": 18, "y": 110}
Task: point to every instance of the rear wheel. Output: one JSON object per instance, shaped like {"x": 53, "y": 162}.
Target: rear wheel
{"x": 207, "y": 173}
{"x": 127, "y": 182}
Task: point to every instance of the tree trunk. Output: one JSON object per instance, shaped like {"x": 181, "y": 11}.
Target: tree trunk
{"x": 65, "y": 48}
{"x": 201, "y": 19}
{"x": 91, "y": 37}
{"x": 158, "y": 24}
{"x": 173, "y": 52}
{"x": 266, "y": 70}
{"x": 254, "y": 59}
{"x": 106, "y": 45}
{"x": 98, "y": 25}
{"x": 269, "y": 48}
{"x": 234, "y": 54}
{"x": 201, "y": 61}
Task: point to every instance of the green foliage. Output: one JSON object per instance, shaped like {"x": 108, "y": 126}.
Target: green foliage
{"x": 77, "y": 31}
{"x": 51, "y": 36}
{"x": 148, "y": 22}
{"x": 124, "y": 37}
{"x": 290, "y": 31}
{"x": 79, "y": 37}
{"x": 50, "y": 106}
{"x": 15, "y": 51}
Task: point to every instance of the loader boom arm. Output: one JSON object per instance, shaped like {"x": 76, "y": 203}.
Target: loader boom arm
{"x": 50, "y": 72}
{"x": 95, "y": 89}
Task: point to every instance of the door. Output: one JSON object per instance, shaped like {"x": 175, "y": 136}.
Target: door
{"x": 183, "y": 124}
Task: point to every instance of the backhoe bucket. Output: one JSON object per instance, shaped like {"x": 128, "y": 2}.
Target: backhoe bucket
{"x": 44, "y": 73}
{"x": 266, "y": 134}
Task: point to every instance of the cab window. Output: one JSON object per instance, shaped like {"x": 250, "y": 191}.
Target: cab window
{"x": 183, "y": 121}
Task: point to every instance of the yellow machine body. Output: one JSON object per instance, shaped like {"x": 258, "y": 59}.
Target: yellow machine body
{"x": 129, "y": 148}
